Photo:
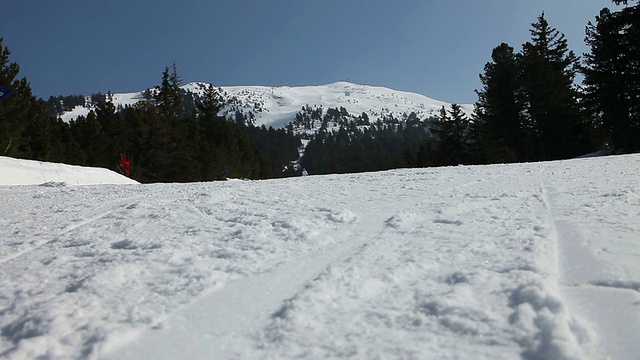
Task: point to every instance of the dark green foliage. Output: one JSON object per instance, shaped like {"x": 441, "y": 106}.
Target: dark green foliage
{"x": 58, "y": 105}
{"x": 25, "y": 130}
{"x": 529, "y": 109}
{"x": 549, "y": 95}
{"x": 351, "y": 147}
{"x": 453, "y": 142}
{"x": 277, "y": 146}
{"x": 66, "y": 148}
{"x": 222, "y": 144}
{"x": 98, "y": 96}
{"x": 168, "y": 95}
{"x": 87, "y": 133}
{"x": 39, "y": 134}
{"x": 499, "y": 122}
{"x": 612, "y": 77}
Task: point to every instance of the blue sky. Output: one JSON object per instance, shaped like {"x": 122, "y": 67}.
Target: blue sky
{"x": 433, "y": 47}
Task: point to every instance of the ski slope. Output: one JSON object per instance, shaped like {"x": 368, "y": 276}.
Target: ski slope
{"x": 532, "y": 261}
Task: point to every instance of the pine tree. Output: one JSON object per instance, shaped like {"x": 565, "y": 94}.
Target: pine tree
{"x": 498, "y": 121}
{"x": 187, "y": 137}
{"x": 168, "y": 95}
{"x": 549, "y": 96}
{"x": 148, "y": 141}
{"x": 39, "y": 134}
{"x": 113, "y": 132}
{"x": 211, "y": 159}
{"x": 66, "y": 149}
{"x": 166, "y": 130}
{"x": 25, "y": 129}
{"x": 452, "y": 130}
{"x": 11, "y": 126}
{"x": 612, "y": 76}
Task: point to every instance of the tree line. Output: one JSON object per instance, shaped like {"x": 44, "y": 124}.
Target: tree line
{"x": 175, "y": 137}
{"x": 345, "y": 143}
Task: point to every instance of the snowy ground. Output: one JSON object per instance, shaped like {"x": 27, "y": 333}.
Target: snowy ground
{"x": 534, "y": 261}
{"x": 29, "y": 172}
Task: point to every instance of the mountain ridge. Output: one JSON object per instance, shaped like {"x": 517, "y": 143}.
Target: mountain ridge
{"x": 276, "y": 106}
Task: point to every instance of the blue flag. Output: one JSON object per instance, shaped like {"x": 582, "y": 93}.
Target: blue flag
{"x": 4, "y": 92}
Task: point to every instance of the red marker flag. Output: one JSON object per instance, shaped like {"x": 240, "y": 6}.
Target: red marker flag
{"x": 125, "y": 164}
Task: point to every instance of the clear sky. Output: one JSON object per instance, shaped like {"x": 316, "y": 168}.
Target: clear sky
{"x": 433, "y": 47}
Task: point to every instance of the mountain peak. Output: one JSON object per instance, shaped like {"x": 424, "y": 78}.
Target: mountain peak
{"x": 277, "y": 106}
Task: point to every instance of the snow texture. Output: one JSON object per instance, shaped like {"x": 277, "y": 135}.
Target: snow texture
{"x": 531, "y": 261}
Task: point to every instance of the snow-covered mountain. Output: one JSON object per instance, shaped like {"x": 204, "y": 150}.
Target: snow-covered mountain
{"x": 277, "y": 106}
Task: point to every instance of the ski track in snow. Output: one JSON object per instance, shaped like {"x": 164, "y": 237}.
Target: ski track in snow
{"x": 585, "y": 277}
{"x": 428, "y": 287}
{"x": 488, "y": 262}
{"x": 235, "y": 309}
{"x": 22, "y": 248}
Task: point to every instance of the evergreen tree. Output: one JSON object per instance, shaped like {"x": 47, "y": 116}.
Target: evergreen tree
{"x": 168, "y": 95}
{"x": 498, "y": 111}
{"x": 23, "y": 119}
{"x": 149, "y": 140}
{"x": 66, "y": 149}
{"x": 39, "y": 134}
{"x": 224, "y": 144}
{"x": 549, "y": 95}
{"x": 426, "y": 155}
{"x": 11, "y": 121}
{"x": 113, "y": 133}
{"x": 612, "y": 76}
{"x": 86, "y": 132}
{"x": 354, "y": 146}
{"x": 277, "y": 147}
{"x": 211, "y": 158}
{"x": 165, "y": 133}
{"x": 187, "y": 137}
{"x": 452, "y": 130}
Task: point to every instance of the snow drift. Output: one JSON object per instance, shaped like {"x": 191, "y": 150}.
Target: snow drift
{"x": 30, "y": 172}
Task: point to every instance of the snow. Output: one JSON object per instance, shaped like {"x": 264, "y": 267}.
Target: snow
{"x": 277, "y": 106}
{"x": 534, "y": 261}
{"x": 30, "y": 172}
{"x": 283, "y": 102}
{"x": 75, "y": 113}
{"x": 126, "y": 99}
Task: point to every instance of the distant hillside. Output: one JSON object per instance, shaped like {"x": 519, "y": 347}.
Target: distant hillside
{"x": 278, "y": 106}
